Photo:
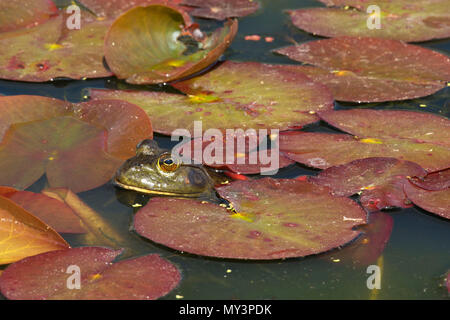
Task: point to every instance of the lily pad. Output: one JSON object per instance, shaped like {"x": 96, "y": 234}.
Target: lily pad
{"x": 16, "y": 14}
{"x": 233, "y": 95}
{"x": 410, "y": 21}
{"x": 50, "y": 50}
{"x": 437, "y": 202}
{"x": 51, "y": 211}
{"x": 220, "y": 10}
{"x": 413, "y": 136}
{"x": 379, "y": 181}
{"x": 274, "y": 219}
{"x": 78, "y": 146}
{"x": 354, "y": 69}
{"x": 142, "y": 46}
{"x": 434, "y": 181}
{"x": 48, "y": 276}
{"x": 23, "y": 235}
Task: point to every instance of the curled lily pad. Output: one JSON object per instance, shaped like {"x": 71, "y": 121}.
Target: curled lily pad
{"x": 51, "y": 276}
{"x": 143, "y": 46}
{"x": 379, "y": 181}
{"x": 246, "y": 95}
{"x": 220, "y": 10}
{"x": 434, "y": 181}
{"x": 354, "y": 70}
{"x": 417, "y": 137}
{"x": 274, "y": 219}
{"x": 437, "y": 202}
{"x": 16, "y": 14}
{"x": 23, "y": 235}
{"x": 51, "y": 211}
{"x": 410, "y": 21}
{"x": 70, "y": 143}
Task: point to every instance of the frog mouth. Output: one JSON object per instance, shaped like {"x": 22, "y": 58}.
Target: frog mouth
{"x": 155, "y": 192}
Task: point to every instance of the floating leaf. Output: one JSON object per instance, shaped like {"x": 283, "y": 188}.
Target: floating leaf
{"x": 418, "y": 20}
{"x": 418, "y": 137}
{"x": 233, "y": 95}
{"x": 355, "y": 70}
{"x": 437, "y": 202}
{"x": 142, "y": 46}
{"x": 50, "y": 50}
{"x": 275, "y": 219}
{"x": 220, "y": 10}
{"x": 77, "y": 146}
{"x": 379, "y": 181}
{"x": 17, "y": 14}
{"x": 53, "y": 212}
{"x": 48, "y": 276}
{"x": 23, "y": 235}
{"x": 434, "y": 181}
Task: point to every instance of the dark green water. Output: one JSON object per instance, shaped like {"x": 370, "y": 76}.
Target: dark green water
{"x": 414, "y": 260}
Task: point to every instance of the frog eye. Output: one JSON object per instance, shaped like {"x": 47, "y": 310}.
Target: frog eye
{"x": 168, "y": 164}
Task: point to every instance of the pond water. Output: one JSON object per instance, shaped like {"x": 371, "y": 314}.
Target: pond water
{"x": 412, "y": 264}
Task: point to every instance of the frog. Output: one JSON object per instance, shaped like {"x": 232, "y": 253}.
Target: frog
{"x": 154, "y": 171}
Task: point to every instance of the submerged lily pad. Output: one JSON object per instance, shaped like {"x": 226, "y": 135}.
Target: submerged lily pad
{"x": 220, "y": 10}
{"x": 275, "y": 219}
{"x": 50, "y": 276}
{"x": 142, "y": 46}
{"x": 55, "y": 213}
{"x": 379, "y": 181}
{"x": 16, "y": 14}
{"x": 437, "y": 202}
{"x": 23, "y": 235}
{"x": 405, "y": 20}
{"x": 422, "y": 138}
{"x": 77, "y": 146}
{"x": 233, "y": 95}
{"x": 355, "y": 70}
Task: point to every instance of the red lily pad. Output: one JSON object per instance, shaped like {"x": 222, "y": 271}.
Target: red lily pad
{"x": 50, "y": 50}
{"x": 70, "y": 143}
{"x": 249, "y": 160}
{"x": 413, "y": 136}
{"x": 246, "y": 95}
{"x": 369, "y": 247}
{"x": 410, "y": 21}
{"x": 46, "y": 276}
{"x": 437, "y": 202}
{"x": 220, "y": 10}
{"x": 142, "y": 45}
{"x": 434, "y": 181}
{"x": 355, "y": 71}
{"x": 51, "y": 211}
{"x": 274, "y": 219}
{"x": 379, "y": 181}
{"x": 16, "y": 14}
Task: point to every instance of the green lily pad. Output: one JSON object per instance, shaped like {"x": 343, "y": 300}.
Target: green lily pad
{"x": 234, "y": 95}
{"x": 50, "y": 50}
{"x": 437, "y": 202}
{"x": 220, "y": 10}
{"x": 16, "y": 14}
{"x": 274, "y": 219}
{"x": 142, "y": 46}
{"x": 379, "y": 181}
{"x": 434, "y": 181}
{"x": 49, "y": 276}
{"x": 354, "y": 69}
{"x": 413, "y": 136}
{"x": 410, "y": 21}
{"x": 55, "y": 213}
{"x": 78, "y": 146}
